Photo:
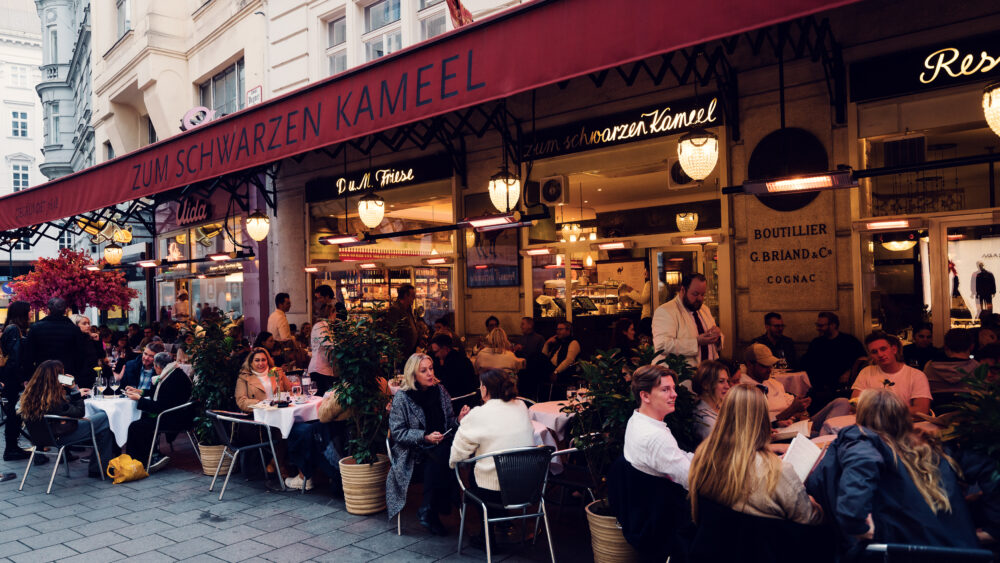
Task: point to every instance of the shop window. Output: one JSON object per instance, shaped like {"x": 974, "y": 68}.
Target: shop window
{"x": 365, "y": 289}
{"x": 973, "y": 268}
{"x": 18, "y": 124}
{"x": 19, "y": 176}
{"x": 896, "y": 275}
{"x": 336, "y": 45}
{"x": 224, "y": 92}
{"x": 935, "y": 190}
{"x": 407, "y": 208}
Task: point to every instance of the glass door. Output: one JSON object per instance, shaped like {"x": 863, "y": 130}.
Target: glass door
{"x": 973, "y": 262}
{"x": 673, "y": 262}
{"x": 897, "y": 281}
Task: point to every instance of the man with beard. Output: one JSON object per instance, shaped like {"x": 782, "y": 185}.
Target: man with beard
{"x": 685, "y": 326}
{"x": 830, "y": 358}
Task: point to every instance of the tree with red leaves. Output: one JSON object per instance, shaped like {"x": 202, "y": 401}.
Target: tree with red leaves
{"x": 67, "y": 276}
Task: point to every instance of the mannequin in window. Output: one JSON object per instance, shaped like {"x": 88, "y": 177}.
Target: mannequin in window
{"x": 984, "y": 287}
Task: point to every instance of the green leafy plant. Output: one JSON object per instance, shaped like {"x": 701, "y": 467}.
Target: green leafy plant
{"x": 682, "y": 421}
{"x": 215, "y": 372}
{"x": 363, "y": 351}
{"x": 975, "y": 420}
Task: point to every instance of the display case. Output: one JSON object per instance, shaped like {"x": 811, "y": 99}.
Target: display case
{"x": 366, "y": 289}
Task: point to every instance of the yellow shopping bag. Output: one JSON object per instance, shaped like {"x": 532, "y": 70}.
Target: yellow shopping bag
{"x": 123, "y": 469}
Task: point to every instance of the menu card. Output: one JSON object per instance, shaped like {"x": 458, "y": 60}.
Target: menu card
{"x": 802, "y": 455}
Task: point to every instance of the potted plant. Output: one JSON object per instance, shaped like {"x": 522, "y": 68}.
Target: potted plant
{"x": 214, "y": 387}
{"x": 598, "y": 426}
{"x": 974, "y": 422}
{"x": 362, "y": 352}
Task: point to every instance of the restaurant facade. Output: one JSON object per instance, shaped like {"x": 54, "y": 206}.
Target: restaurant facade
{"x": 603, "y": 195}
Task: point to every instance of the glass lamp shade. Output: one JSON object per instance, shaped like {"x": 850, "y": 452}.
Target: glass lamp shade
{"x": 898, "y": 245}
{"x": 113, "y": 253}
{"x": 258, "y": 225}
{"x": 991, "y": 106}
{"x": 698, "y": 152}
{"x": 504, "y": 191}
{"x": 122, "y": 236}
{"x": 687, "y": 222}
{"x": 371, "y": 210}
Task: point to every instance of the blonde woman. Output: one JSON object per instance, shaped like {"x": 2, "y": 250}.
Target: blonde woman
{"x": 735, "y": 468}
{"x": 497, "y": 354}
{"x": 882, "y": 483}
{"x": 259, "y": 380}
{"x": 711, "y": 384}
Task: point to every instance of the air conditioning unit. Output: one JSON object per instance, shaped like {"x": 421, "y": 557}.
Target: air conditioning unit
{"x": 676, "y": 178}
{"x": 553, "y": 190}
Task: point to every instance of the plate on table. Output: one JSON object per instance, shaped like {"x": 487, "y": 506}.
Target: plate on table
{"x": 264, "y": 406}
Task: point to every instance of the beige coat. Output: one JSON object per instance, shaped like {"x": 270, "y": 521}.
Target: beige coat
{"x": 250, "y": 392}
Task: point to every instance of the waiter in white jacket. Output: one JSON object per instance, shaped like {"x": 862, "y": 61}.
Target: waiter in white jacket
{"x": 685, "y": 326}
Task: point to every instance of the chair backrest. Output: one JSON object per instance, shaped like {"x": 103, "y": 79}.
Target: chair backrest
{"x": 40, "y": 431}
{"x": 219, "y": 421}
{"x": 926, "y": 553}
{"x": 522, "y": 474}
{"x": 527, "y": 402}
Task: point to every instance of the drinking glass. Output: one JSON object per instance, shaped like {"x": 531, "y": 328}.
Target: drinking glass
{"x": 296, "y": 393}
{"x": 571, "y": 392}
{"x": 101, "y": 385}
{"x": 311, "y": 389}
{"x": 114, "y": 386}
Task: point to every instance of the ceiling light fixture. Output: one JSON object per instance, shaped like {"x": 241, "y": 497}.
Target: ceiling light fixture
{"x": 686, "y": 222}
{"x": 113, "y": 254}
{"x": 371, "y": 210}
{"x": 258, "y": 225}
{"x": 991, "y": 106}
{"x": 698, "y": 152}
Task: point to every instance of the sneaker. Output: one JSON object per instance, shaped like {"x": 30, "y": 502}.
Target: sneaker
{"x": 158, "y": 464}
{"x": 295, "y": 483}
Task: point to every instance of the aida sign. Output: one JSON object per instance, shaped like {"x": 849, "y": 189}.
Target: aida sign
{"x": 963, "y": 61}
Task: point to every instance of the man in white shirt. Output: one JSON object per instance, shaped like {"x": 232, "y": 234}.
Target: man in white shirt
{"x": 907, "y": 383}
{"x": 783, "y": 406}
{"x": 277, "y": 322}
{"x": 649, "y": 445}
{"x": 685, "y": 326}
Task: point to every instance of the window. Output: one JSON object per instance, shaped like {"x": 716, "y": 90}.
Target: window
{"x": 432, "y": 26}
{"x": 19, "y": 176}
{"x": 123, "y": 17}
{"x": 109, "y": 151}
{"x": 429, "y": 3}
{"x": 19, "y": 124}
{"x": 383, "y": 44}
{"x": 19, "y": 76}
{"x": 65, "y": 239}
{"x": 22, "y": 245}
{"x": 53, "y": 46}
{"x": 336, "y": 45}
{"x": 381, "y": 14}
{"x": 53, "y": 124}
{"x": 224, "y": 92}
{"x": 150, "y": 132}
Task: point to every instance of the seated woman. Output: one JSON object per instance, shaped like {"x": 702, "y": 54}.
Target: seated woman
{"x": 625, "y": 339}
{"x": 266, "y": 341}
{"x": 259, "y": 380}
{"x": 710, "y": 383}
{"x": 735, "y": 468}
{"x": 171, "y": 388}
{"x": 497, "y": 354}
{"x": 883, "y": 484}
{"x": 44, "y": 394}
{"x": 420, "y": 422}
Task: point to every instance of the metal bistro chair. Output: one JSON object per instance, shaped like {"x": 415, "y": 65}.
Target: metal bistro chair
{"x": 522, "y": 473}
{"x": 219, "y": 420}
{"x": 49, "y": 440}
{"x": 157, "y": 431}
{"x": 902, "y": 552}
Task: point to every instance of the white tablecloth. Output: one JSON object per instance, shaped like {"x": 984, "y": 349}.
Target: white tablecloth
{"x": 796, "y": 382}
{"x": 544, "y": 437}
{"x": 284, "y": 418}
{"x": 834, "y": 424}
{"x": 549, "y": 415}
{"x": 121, "y": 413}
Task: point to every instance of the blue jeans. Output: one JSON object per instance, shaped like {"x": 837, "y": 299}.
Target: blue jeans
{"x": 102, "y": 432}
{"x": 307, "y": 444}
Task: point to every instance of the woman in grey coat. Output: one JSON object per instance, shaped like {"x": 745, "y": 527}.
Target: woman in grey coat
{"x": 421, "y": 423}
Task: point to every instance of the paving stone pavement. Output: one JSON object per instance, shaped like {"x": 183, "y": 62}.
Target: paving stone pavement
{"x": 171, "y": 516}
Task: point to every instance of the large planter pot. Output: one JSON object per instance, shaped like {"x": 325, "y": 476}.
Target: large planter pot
{"x": 210, "y": 459}
{"x": 606, "y": 537}
{"x": 364, "y": 485}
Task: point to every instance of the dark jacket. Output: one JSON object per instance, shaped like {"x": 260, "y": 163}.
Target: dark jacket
{"x": 173, "y": 389}
{"x": 56, "y": 338}
{"x": 829, "y": 358}
{"x": 784, "y": 345}
{"x": 654, "y": 513}
{"x": 72, "y": 407}
{"x": 456, "y": 374}
{"x": 11, "y": 374}
{"x": 133, "y": 372}
{"x": 915, "y": 356}
{"x": 403, "y": 324}
{"x": 859, "y": 475}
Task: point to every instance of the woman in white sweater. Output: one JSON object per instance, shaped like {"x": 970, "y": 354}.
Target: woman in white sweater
{"x": 501, "y": 423}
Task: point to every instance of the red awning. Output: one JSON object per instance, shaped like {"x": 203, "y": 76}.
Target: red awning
{"x": 530, "y": 46}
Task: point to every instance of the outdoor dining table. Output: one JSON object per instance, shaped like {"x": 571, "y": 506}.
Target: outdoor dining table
{"x": 121, "y": 413}
{"x": 284, "y": 417}
{"x": 795, "y": 382}
{"x": 836, "y": 423}
{"x": 550, "y": 415}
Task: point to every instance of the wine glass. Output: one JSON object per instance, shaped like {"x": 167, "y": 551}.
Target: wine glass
{"x": 101, "y": 385}
{"x": 296, "y": 393}
{"x": 311, "y": 388}
{"x": 114, "y": 386}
